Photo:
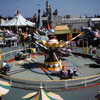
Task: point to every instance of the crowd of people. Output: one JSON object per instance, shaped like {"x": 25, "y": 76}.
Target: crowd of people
{"x": 92, "y": 36}
{"x": 92, "y": 50}
{"x": 11, "y": 39}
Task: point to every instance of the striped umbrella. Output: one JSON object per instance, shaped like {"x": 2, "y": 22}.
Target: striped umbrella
{"x": 42, "y": 95}
{"x": 4, "y": 88}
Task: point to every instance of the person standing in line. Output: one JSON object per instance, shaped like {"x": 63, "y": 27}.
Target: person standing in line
{"x": 94, "y": 50}
{"x": 90, "y": 49}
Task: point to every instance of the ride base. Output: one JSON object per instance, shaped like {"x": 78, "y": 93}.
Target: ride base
{"x": 55, "y": 66}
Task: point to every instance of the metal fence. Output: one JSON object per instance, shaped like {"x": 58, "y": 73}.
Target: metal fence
{"x": 11, "y": 54}
{"x": 52, "y": 84}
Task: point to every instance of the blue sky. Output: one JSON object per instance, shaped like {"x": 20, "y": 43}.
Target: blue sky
{"x": 29, "y": 7}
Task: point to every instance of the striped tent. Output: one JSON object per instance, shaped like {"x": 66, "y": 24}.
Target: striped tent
{"x": 18, "y": 21}
{"x": 4, "y": 88}
{"x": 42, "y": 95}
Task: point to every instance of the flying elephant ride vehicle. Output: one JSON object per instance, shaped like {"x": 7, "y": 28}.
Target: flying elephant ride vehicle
{"x": 21, "y": 55}
{"x": 5, "y": 67}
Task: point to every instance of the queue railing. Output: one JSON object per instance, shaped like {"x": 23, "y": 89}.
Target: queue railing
{"x": 52, "y": 84}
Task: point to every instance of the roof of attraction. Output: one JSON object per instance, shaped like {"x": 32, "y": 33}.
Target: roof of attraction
{"x": 61, "y": 29}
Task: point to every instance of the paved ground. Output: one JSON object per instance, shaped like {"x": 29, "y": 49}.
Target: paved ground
{"x": 20, "y": 68}
{"x": 85, "y": 94}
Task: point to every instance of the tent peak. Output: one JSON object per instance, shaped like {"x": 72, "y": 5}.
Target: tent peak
{"x": 41, "y": 87}
{"x": 18, "y": 12}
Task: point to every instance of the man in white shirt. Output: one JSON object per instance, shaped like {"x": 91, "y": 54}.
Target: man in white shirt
{"x": 4, "y": 63}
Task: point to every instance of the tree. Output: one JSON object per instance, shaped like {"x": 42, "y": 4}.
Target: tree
{"x": 34, "y": 19}
{"x": 1, "y": 17}
{"x": 55, "y": 12}
{"x": 9, "y": 17}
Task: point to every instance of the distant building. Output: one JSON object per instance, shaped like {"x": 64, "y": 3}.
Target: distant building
{"x": 56, "y": 20}
{"x": 96, "y": 23}
{"x": 47, "y": 16}
{"x": 75, "y": 22}
{"x": 73, "y": 16}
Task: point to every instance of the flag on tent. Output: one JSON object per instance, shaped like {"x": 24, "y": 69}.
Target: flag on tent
{"x": 4, "y": 88}
{"x": 42, "y": 95}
